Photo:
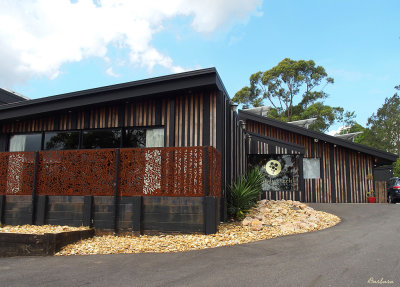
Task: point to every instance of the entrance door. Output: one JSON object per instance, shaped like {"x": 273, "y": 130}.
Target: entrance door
{"x": 281, "y": 174}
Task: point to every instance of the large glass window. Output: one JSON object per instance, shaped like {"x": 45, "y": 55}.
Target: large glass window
{"x": 135, "y": 138}
{"x": 95, "y": 139}
{"x": 311, "y": 168}
{"x": 26, "y": 142}
{"x": 144, "y": 137}
{"x": 91, "y": 139}
{"x": 61, "y": 140}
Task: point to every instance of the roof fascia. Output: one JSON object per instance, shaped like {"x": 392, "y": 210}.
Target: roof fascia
{"x": 188, "y": 80}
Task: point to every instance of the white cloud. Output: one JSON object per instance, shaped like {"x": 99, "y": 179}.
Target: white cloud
{"x": 38, "y": 36}
{"x": 111, "y": 72}
{"x": 337, "y": 131}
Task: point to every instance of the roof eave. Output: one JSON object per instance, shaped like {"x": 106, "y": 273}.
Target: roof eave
{"x": 165, "y": 84}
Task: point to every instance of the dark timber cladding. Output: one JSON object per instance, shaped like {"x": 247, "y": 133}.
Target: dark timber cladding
{"x": 345, "y": 173}
{"x": 192, "y": 107}
{"x": 195, "y": 110}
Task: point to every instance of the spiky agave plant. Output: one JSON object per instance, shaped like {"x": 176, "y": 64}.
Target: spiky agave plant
{"x": 244, "y": 193}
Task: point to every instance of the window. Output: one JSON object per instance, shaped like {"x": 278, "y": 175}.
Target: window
{"x": 61, "y": 140}
{"x": 96, "y": 139}
{"x": 88, "y": 139}
{"x": 311, "y": 168}
{"x": 26, "y": 142}
{"x": 135, "y": 138}
{"x": 144, "y": 138}
{"x": 155, "y": 138}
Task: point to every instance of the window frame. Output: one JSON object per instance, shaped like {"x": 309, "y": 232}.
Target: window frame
{"x": 81, "y": 131}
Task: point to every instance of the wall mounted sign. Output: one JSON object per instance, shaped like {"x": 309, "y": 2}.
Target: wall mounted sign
{"x": 280, "y": 171}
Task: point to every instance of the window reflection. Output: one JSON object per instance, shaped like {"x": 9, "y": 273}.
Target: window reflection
{"x": 144, "y": 138}
{"x": 91, "y": 139}
{"x": 96, "y": 139}
{"x": 61, "y": 140}
{"x": 135, "y": 138}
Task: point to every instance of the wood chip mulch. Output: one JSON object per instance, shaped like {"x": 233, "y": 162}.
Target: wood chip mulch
{"x": 269, "y": 219}
{"x": 39, "y": 229}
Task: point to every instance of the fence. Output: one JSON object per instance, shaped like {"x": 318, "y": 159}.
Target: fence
{"x": 380, "y": 192}
{"x": 181, "y": 171}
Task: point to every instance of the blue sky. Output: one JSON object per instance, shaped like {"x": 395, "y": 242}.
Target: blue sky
{"x": 85, "y": 46}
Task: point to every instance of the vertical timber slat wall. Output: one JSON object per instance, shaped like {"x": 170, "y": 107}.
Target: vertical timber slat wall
{"x": 344, "y": 172}
{"x": 189, "y": 118}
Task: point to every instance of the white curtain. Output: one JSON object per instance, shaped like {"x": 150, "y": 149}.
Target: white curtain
{"x": 155, "y": 138}
{"x": 17, "y": 142}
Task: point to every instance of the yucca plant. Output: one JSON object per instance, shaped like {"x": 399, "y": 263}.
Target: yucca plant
{"x": 244, "y": 193}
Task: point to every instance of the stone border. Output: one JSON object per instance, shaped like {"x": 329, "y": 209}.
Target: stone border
{"x": 15, "y": 244}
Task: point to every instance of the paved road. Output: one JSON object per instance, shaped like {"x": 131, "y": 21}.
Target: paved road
{"x": 364, "y": 245}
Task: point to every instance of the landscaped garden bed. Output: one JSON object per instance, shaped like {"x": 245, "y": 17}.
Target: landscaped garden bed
{"x": 268, "y": 219}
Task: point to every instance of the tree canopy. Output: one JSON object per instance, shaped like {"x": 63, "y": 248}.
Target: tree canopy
{"x": 294, "y": 89}
{"x": 383, "y": 128}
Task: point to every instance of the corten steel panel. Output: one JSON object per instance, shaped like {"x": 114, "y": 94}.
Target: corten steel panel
{"x": 16, "y": 173}
{"x": 76, "y": 172}
{"x": 214, "y": 172}
{"x": 165, "y": 172}
{"x": 142, "y": 171}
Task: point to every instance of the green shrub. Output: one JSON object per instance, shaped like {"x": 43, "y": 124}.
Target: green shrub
{"x": 244, "y": 193}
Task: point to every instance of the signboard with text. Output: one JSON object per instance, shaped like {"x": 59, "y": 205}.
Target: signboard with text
{"x": 280, "y": 171}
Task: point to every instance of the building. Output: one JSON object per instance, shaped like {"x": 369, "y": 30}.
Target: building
{"x": 175, "y": 141}
{"x": 7, "y": 97}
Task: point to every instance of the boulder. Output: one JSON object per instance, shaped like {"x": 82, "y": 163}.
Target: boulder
{"x": 256, "y": 225}
{"x": 247, "y": 221}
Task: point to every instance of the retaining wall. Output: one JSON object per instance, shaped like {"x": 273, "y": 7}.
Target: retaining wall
{"x": 137, "y": 214}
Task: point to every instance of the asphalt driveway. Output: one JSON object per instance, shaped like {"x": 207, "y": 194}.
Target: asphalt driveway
{"x": 363, "y": 250}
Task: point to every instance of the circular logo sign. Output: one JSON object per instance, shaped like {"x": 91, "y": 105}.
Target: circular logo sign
{"x": 273, "y": 167}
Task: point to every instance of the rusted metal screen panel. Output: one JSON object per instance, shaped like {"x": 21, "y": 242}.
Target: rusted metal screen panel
{"x": 76, "y": 172}
{"x": 16, "y": 173}
{"x": 214, "y": 172}
{"x": 142, "y": 171}
{"x": 162, "y": 172}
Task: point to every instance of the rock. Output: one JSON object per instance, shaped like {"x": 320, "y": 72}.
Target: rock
{"x": 303, "y": 226}
{"x": 259, "y": 217}
{"x": 313, "y": 218}
{"x": 262, "y": 202}
{"x": 246, "y": 221}
{"x": 284, "y": 211}
{"x": 256, "y": 225}
{"x": 288, "y": 227}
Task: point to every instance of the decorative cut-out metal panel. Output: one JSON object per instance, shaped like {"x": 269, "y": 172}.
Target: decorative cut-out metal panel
{"x": 161, "y": 171}
{"x": 182, "y": 171}
{"x": 215, "y": 172}
{"x": 76, "y": 172}
{"x": 16, "y": 173}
